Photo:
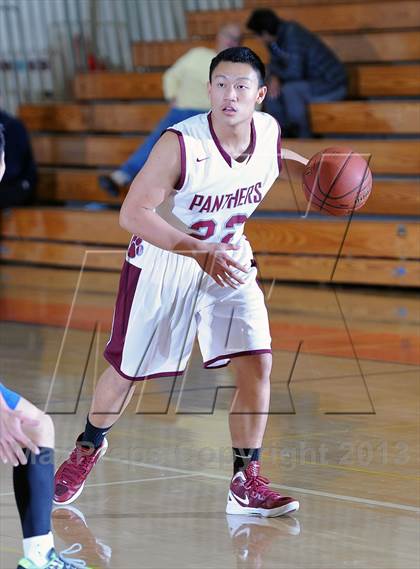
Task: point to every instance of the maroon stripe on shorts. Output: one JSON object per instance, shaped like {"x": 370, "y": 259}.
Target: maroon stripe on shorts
{"x": 172, "y": 374}
{"x": 234, "y": 355}
{"x": 129, "y": 278}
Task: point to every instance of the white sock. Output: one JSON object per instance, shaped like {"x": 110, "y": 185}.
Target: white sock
{"x": 37, "y": 548}
{"x": 120, "y": 177}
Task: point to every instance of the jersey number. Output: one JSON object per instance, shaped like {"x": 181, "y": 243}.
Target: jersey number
{"x": 209, "y": 227}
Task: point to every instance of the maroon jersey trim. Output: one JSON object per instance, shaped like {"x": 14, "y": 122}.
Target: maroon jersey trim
{"x": 279, "y": 160}
{"x": 225, "y": 155}
{"x": 181, "y": 179}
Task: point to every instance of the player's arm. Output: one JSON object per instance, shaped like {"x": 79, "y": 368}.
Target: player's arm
{"x": 12, "y": 436}
{"x": 294, "y": 164}
{"x": 152, "y": 185}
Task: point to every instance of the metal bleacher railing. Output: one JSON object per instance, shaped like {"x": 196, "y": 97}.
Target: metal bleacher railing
{"x": 44, "y": 42}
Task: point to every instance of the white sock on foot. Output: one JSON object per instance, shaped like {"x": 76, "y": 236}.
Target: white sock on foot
{"x": 37, "y": 548}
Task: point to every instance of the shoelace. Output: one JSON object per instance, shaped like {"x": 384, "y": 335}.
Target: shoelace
{"x": 70, "y": 562}
{"x": 259, "y": 484}
{"x": 76, "y": 464}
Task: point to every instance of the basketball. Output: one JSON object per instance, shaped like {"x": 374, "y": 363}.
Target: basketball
{"x": 337, "y": 181}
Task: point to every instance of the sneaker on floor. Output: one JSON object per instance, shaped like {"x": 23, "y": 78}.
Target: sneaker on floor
{"x": 70, "y": 526}
{"x": 108, "y": 185}
{"x": 249, "y": 493}
{"x": 70, "y": 478}
{"x": 54, "y": 561}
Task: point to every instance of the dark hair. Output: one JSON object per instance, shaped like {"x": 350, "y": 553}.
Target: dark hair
{"x": 263, "y": 20}
{"x": 240, "y": 55}
{"x": 2, "y": 142}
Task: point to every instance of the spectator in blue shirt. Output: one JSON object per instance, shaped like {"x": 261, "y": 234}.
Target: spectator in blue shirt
{"x": 302, "y": 70}
{"x": 18, "y": 184}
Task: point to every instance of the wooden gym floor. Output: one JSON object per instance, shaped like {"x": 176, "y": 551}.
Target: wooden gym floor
{"x": 343, "y": 435}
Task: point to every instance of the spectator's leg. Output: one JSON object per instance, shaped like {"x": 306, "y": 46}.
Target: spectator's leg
{"x": 139, "y": 157}
{"x": 337, "y": 94}
{"x": 295, "y": 97}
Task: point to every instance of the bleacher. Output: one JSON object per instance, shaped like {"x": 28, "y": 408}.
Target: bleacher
{"x": 76, "y": 141}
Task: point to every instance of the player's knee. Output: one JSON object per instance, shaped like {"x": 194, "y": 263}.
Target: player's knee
{"x": 261, "y": 379}
{"x": 261, "y": 367}
{"x": 44, "y": 432}
{"x": 255, "y": 374}
{"x": 119, "y": 386}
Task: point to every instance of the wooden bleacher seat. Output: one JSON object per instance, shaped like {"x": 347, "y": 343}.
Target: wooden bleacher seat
{"x": 361, "y": 47}
{"x": 163, "y": 54}
{"x": 279, "y": 3}
{"x": 117, "y": 85}
{"x": 342, "y": 117}
{"x": 389, "y": 197}
{"x": 57, "y": 185}
{"x": 293, "y": 249}
{"x": 388, "y": 156}
{"x": 117, "y": 117}
{"x": 358, "y": 16}
{"x": 358, "y": 117}
{"x": 365, "y": 81}
{"x": 354, "y": 271}
{"x": 385, "y": 80}
{"x": 89, "y": 150}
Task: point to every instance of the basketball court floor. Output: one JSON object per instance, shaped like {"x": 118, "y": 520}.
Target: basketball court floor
{"x": 342, "y": 436}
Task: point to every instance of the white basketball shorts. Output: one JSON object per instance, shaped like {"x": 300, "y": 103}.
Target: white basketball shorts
{"x": 165, "y": 300}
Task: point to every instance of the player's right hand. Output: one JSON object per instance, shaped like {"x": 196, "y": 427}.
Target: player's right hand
{"x": 12, "y": 437}
{"x": 216, "y": 262}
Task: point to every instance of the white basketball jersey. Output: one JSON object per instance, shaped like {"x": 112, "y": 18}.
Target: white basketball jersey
{"x": 216, "y": 194}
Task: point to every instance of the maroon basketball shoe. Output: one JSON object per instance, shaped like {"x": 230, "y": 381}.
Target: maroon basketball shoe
{"x": 249, "y": 494}
{"x": 70, "y": 478}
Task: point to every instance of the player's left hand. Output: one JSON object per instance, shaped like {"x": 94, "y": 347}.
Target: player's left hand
{"x": 217, "y": 263}
{"x": 13, "y": 438}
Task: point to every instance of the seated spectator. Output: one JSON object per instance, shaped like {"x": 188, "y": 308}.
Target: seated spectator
{"x": 18, "y": 184}
{"x": 302, "y": 70}
{"x": 185, "y": 87}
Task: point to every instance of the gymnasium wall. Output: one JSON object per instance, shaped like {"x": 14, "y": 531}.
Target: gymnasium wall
{"x": 44, "y": 42}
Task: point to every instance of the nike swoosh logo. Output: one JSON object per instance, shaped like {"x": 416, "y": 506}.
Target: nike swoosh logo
{"x": 243, "y": 501}
{"x": 201, "y": 159}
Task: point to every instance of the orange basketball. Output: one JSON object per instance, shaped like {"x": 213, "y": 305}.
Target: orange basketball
{"x": 337, "y": 181}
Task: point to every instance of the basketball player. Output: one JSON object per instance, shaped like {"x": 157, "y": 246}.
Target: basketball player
{"x": 27, "y": 442}
{"x": 190, "y": 270}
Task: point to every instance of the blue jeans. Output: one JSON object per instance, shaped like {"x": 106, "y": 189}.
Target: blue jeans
{"x": 291, "y": 107}
{"x": 137, "y": 160}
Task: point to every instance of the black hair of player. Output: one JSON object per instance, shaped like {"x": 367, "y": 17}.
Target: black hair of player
{"x": 264, "y": 20}
{"x": 240, "y": 55}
